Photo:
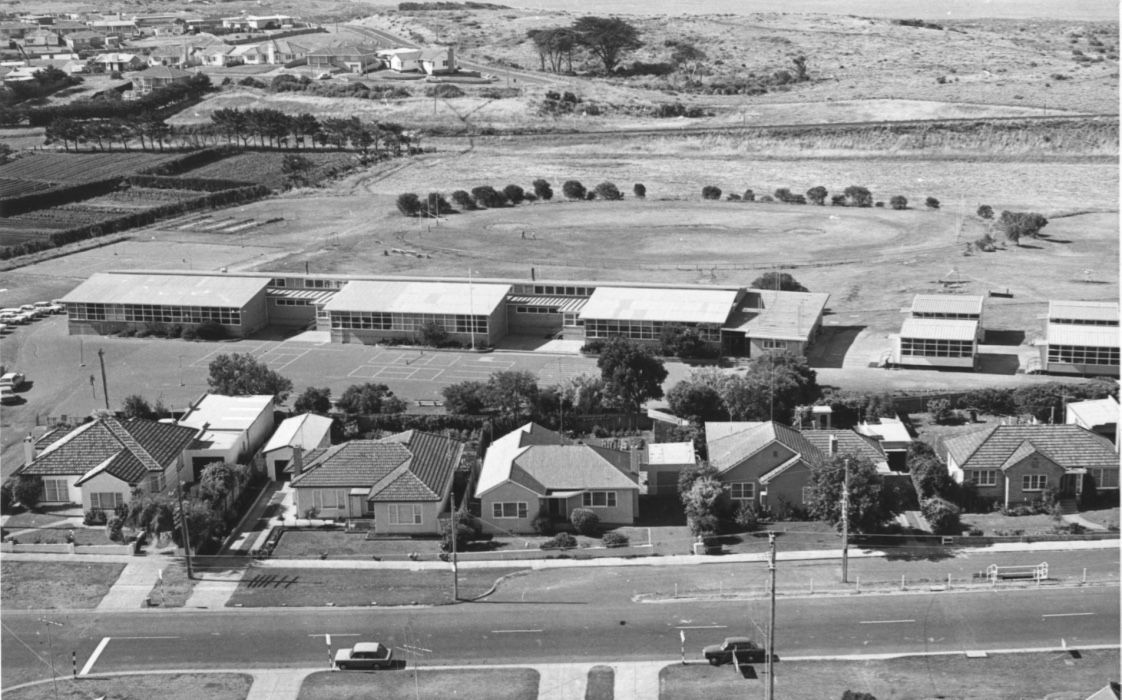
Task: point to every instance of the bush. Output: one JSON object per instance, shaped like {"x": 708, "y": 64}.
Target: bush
{"x": 94, "y": 516}
{"x": 561, "y": 540}
{"x": 640, "y": 190}
{"x": 748, "y": 196}
{"x": 898, "y": 202}
{"x": 942, "y": 413}
{"x": 189, "y": 333}
{"x": 783, "y": 195}
{"x": 463, "y": 200}
{"x": 608, "y": 191}
{"x": 543, "y": 524}
{"x": 943, "y": 516}
{"x": 7, "y": 500}
{"x": 985, "y": 211}
{"x": 710, "y": 192}
{"x": 615, "y": 539}
{"x": 585, "y": 521}
{"x": 572, "y": 189}
{"x": 931, "y": 203}
{"x": 514, "y": 193}
{"x": 487, "y": 196}
{"x": 210, "y": 330}
{"x": 748, "y": 517}
{"x": 28, "y": 491}
{"x": 114, "y": 528}
{"x": 837, "y": 200}
{"x": 433, "y": 334}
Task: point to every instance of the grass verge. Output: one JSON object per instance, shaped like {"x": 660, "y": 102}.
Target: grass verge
{"x": 281, "y": 587}
{"x": 51, "y": 585}
{"x": 175, "y": 589}
{"x": 172, "y": 686}
{"x": 496, "y": 684}
{"x": 1035, "y": 675}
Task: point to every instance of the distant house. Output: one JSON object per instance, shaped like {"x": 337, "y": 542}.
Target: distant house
{"x": 282, "y": 51}
{"x": 10, "y": 29}
{"x": 257, "y": 22}
{"x": 662, "y": 464}
{"x": 352, "y": 58}
{"x": 41, "y": 38}
{"x": 99, "y": 464}
{"x": 116, "y": 62}
{"x": 1081, "y": 337}
{"x": 118, "y": 26}
{"x": 249, "y": 54}
{"x": 1019, "y": 463}
{"x": 173, "y": 56}
{"x": 1099, "y": 416}
{"x": 769, "y": 463}
{"x": 84, "y": 40}
{"x": 218, "y": 55}
{"x": 157, "y": 77}
{"x": 403, "y": 482}
{"x": 530, "y": 471}
{"x": 306, "y": 432}
{"x": 232, "y": 428}
{"x": 431, "y": 61}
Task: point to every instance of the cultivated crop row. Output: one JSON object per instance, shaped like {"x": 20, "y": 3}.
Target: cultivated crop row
{"x": 80, "y": 167}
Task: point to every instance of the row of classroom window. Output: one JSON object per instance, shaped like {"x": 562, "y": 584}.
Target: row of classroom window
{"x": 151, "y": 313}
{"x": 644, "y": 330}
{"x": 375, "y": 321}
{"x": 1085, "y": 321}
{"x": 928, "y": 347}
{"x": 1082, "y": 355}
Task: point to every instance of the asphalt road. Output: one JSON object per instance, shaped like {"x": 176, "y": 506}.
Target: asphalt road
{"x": 491, "y": 633}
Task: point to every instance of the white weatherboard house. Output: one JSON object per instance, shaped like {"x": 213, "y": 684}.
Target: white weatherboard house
{"x": 530, "y": 471}
{"x": 306, "y": 432}
{"x": 233, "y": 427}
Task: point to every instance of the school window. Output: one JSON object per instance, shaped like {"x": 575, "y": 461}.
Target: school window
{"x": 509, "y": 509}
{"x": 598, "y": 499}
{"x": 1034, "y": 482}
{"x": 405, "y": 514}
{"x": 982, "y": 477}
{"x": 106, "y": 501}
{"x": 55, "y": 491}
{"x": 742, "y": 490}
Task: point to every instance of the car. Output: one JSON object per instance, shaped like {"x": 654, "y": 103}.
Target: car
{"x": 49, "y": 307}
{"x": 33, "y": 310}
{"x": 13, "y": 381}
{"x": 740, "y": 649}
{"x": 7, "y": 396}
{"x": 364, "y": 656}
{"x": 26, "y": 316}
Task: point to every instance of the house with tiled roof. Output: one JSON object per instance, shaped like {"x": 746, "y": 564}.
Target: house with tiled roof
{"x": 100, "y": 463}
{"x": 85, "y": 40}
{"x": 1019, "y": 463}
{"x": 403, "y": 482}
{"x": 531, "y": 471}
{"x": 769, "y": 463}
{"x": 353, "y": 58}
{"x": 157, "y": 77}
{"x": 116, "y": 62}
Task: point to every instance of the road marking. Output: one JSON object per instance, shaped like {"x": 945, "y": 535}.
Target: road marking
{"x": 514, "y": 631}
{"x": 1068, "y": 614}
{"x": 701, "y": 627}
{"x": 882, "y": 622}
{"x": 107, "y": 638}
{"x": 335, "y": 634}
{"x": 93, "y": 657}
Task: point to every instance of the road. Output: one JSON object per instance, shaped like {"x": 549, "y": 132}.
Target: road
{"x": 491, "y": 633}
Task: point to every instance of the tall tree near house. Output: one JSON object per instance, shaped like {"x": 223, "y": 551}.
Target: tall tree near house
{"x": 243, "y": 375}
{"x": 871, "y": 504}
{"x": 696, "y": 402}
{"x": 512, "y": 393}
{"x": 314, "y": 400}
{"x": 631, "y": 373}
{"x": 466, "y": 398}
{"x": 607, "y": 38}
{"x": 706, "y": 503}
{"x": 135, "y": 406}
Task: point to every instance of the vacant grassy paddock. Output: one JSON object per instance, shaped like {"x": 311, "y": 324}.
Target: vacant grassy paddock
{"x": 172, "y": 686}
{"x": 494, "y": 684}
{"x": 55, "y": 585}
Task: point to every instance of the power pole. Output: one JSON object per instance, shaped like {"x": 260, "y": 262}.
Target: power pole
{"x": 183, "y": 525}
{"x": 104, "y": 384}
{"x": 771, "y": 620}
{"x": 845, "y": 524}
{"x": 455, "y": 565}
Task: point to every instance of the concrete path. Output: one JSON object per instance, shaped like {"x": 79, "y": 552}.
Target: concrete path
{"x": 562, "y": 681}
{"x": 133, "y": 585}
{"x": 1079, "y": 519}
{"x": 276, "y": 685}
{"x": 214, "y": 589}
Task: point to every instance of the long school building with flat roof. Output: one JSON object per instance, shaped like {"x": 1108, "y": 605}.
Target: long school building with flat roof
{"x": 941, "y": 331}
{"x": 473, "y": 312}
{"x": 1081, "y": 337}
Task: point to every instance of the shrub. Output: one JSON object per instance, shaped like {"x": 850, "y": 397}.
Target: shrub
{"x": 487, "y": 196}
{"x": 837, "y": 200}
{"x": 615, "y": 539}
{"x": 463, "y": 200}
{"x": 543, "y": 524}
{"x": 710, "y": 192}
{"x": 445, "y": 91}
{"x": 732, "y": 197}
{"x": 766, "y": 198}
{"x": 210, "y": 330}
{"x": 748, "y": 196}
{"x": 94, "y": 516}
{"x": 7, "y": 500}
{"x": 514, "y": 193}
{"x": 572, "y": 189}
{"x": 985, "y": 211}
{"x": 542, "y": 190}
{"x": 748, "y": 517}
{"x": 941, "y": 412}
{"x": 898, "y": 202}
{"x": 640, "y": 190}
{"x": 608, "y": 191}
{"x": 189, "y": 333}
{"x": 931, "y": 203}
{"x": 783, "y": 194}
{"x": 114, "y": 527}
{"x": 28, "y": 491}
{"x": 562, "y": 540}
{"x": 434, "y": 334}
{"x": 943, "y": 516}
{"x": 585, "y": 521}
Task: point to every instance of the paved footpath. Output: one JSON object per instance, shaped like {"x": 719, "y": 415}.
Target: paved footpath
{"x": 133, "y": 586}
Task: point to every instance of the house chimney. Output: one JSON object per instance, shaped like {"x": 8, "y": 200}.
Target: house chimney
{"x": 297, "y": 460}
{"x": 28, "y": 449}
{"x": 833, "y": 445}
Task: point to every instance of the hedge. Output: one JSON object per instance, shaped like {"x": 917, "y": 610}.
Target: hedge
{"x": 63, "y": 194}
{"x": 163, "y": 182}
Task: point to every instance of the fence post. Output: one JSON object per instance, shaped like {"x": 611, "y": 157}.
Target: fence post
{"x": 903, "y": 586}
{"x": 858, "y": 584}
{"x": 948, "y": 582}
{"x": 1084, "y": 575}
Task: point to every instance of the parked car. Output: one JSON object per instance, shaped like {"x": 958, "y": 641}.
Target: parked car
{"x": 364, "y": 656}
{"x": 12, "y": 316}
{"x": 50, "y": 307}
{"x": 745, "y": 650}
{"x": 13, "y": 381}
{"x": 33, "y": 310}
{"x": 7, "y": 396}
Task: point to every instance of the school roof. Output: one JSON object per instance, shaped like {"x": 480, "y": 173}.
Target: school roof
{"x": 219, "y": 412}
{"x": 939, "y": 329}
{"x": 419, "y": 297}
{"x": 1090, "y": 336}
{"x": 409, "y": 466}
{"x": 1084, "y": 310}
{"x": 167, "y": 290}
{"x": 947, "y": 303}
{"x": 306, "y": 431}
{"x": 778, "y": 315}
{"x": 1095, "y": 412}
{"x": 673, "y": 305}
{"x": 997, "y": 447}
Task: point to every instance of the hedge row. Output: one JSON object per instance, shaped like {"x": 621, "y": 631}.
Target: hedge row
{"x": 62, "y": 194}
{"x": 163, "y": 182}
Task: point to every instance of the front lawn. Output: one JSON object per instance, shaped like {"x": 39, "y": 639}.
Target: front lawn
{"x": 998, "y": 525}
{"x": 1012, "y": 676}
{"x": 171, "y": 686}
{"x": 29, "y": 519}
{"x": 55, "y": 585}
{"x": 314, "y": 544}
{"x": 493, "y": 684}
{"x": 1107, "y": 517}
{"x": 263, "y": 587}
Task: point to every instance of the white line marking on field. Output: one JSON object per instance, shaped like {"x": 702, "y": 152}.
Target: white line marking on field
{"x": 1079, "y": 614}
{"x": 883, "y": 622}
{"x": 145, "y": 637}
{"x": 93, "y": 657}
{"x": 514, "y": 631}
{"x": 335, "y": 634}
{"x": 701, "y": 627}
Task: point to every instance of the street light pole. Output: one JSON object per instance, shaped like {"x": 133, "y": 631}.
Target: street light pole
{"x": 845, "y": 524}
{"x": 104, "y": 383}
{"x": 51, "y": 651}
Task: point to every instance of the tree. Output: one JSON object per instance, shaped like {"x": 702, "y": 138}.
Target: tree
{"x": 242, "y": 375}
{"x": 710, "y": 192}
{"x": 7, "y": 498}
{"x": 1018, "y": 224}
{"x": 572, "y": 189}
{"x": 799, "y": 62}
{"x": 696, "y": 402}
{"x": 135, "y": 406}
{"x": 514, "y": 193}
{"x": 943, "y": 516}
{"x": 775, "y": 383}
{"x": 931, "y": 203}
{"x": 409, "y": 204}
{"x": 985, "y": 211}
{"x": 858, "y": 196}
{"x": 778, "y": 281}
{"x": 584, "y": 395}
{"x": 606, "y": 38}
{"x": 28, "y": 491}
{"x": 898, "y": 202}
{"x": 683, "y": 341}
{"x": 542, "y": 190}
{"x": 487, "y": 196}
{"x": 463, "y": 200}
{"x": 608, "y": 191}
{"x": 640, "y": 190}
{"x": 465, "y": 398}
{"x": 817, "y": 195}
{"x": 554, "y": 44}
{"x": 706, "y": 504}
{"x": 783, "y": 194}
{"x": 631, "y": 374}
{"x": 1046, "y": 401}
{"x": 435, "y": 205}
{"x": 512, "y": 393}
{"x": 871, "y": 505}
{"x": 204, "y": 524}
{"x": 217, "y": 482}
{"x": 748, "y": 196}
{"x": 369, "y": 398}
{"x": 296, "y": 169}
{"x": 467, "y": 528}
{"x": 314, "y": 400}
{"x": 693, "y": 473}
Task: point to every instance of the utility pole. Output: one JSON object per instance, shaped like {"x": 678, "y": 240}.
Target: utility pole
{"x": 845, "y": 524}
{"x": 771, "y": 620}
{"x": 51, "y": 650}
{"x": 104, "y": 384}
{"x": 455, "y": 566}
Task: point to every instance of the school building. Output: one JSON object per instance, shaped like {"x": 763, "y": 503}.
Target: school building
{"x": 941, "y": 331}
{"x": 1081, "y": 337}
